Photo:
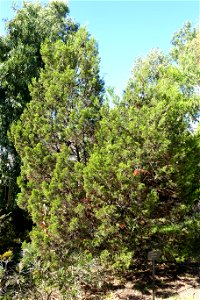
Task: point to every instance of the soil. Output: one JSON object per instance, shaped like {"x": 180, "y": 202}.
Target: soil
{"x": 181, "y": 289}
{"x": 172, "y": 282}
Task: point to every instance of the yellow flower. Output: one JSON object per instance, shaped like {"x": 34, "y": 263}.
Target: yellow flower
{"x": 6, "y": 255}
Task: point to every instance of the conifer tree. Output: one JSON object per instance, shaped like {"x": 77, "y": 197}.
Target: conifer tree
{"x": 21, "y": 61}
{"x": 143, "y": 176}
{"x": 54, "y": 138}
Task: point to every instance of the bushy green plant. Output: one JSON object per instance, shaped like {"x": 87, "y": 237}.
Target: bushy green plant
{"x": 54, "y": 138}
{"x": 142, "y": 179}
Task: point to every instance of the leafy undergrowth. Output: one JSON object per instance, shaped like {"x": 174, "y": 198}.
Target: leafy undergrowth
{"x": 172, "y": 282}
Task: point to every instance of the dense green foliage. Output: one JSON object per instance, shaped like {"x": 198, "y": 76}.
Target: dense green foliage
{"x": 54, "y": 137}
{"x": 143, "y": 176}
{"x": 102, "y": 185}
{"x": 21, "y": 61}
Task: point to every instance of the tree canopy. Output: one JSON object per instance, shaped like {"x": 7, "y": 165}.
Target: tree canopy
{"x": 20, "y": 62}
{"x": 54, "y": 137}
{"x": 101, "y": 184}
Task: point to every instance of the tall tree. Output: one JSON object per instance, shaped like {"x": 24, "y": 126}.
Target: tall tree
{"x": 185, "y": 53}
{"x": 54, "y": 138}
{"x": 21, "y": 61}
{"x": 143, "y": 178}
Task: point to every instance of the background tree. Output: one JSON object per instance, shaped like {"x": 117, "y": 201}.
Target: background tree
{"x": 186, "y": 53}
{"x": 21, "y": 61}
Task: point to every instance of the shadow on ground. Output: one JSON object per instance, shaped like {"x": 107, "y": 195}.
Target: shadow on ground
{"x": 170, "y": 279}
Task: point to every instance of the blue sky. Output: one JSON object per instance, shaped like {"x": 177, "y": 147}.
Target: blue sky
{"x": 126, "y": 30}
